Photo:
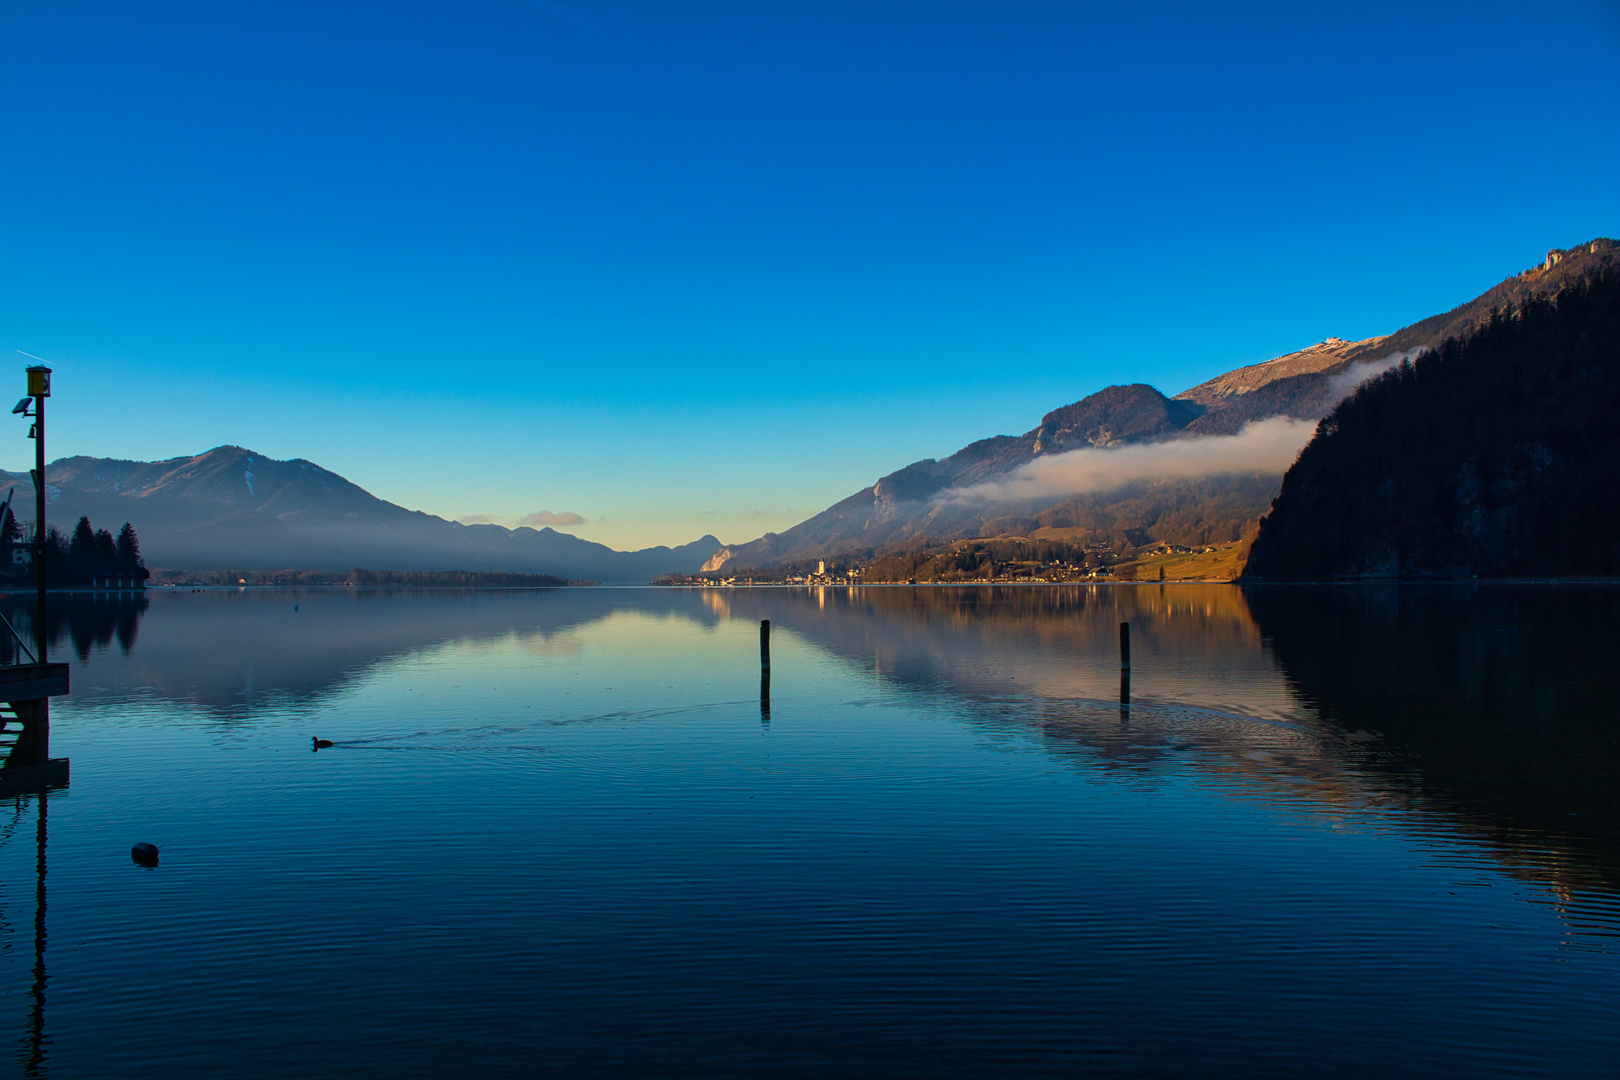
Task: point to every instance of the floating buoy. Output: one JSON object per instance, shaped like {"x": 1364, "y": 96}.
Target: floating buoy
{"x": 144, "y": 853}
{"x": 317, "y": 744}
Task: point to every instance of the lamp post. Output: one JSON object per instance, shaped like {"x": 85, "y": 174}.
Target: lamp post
{"x": 39, "y": 388}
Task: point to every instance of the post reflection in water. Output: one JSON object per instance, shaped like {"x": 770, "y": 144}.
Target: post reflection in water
{"x": 997, "y": 837}
{"x": 22, "y": 787}
{"x": 36, "y": 993}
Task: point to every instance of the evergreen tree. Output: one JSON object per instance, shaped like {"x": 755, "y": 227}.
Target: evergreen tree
{"x": 104, "y": 555}
{"x": 10, "y": 531}
{"x": 11, "y": 540}
{"x": 129, "y": 552}
{"x": 56, "y": 558}
{"x": 81, "y": 554}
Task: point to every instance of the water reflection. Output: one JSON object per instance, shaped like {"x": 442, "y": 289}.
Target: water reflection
{"x": 550, "y": 830}
{"x": 1492, "y": 706}
{"x": 232, "y": 652}
{"x": 35, "y": 1041}
{"x": 89, "y": 622}
{"x": 1476, "y": 712}
{"x": 30, "y": 1048}
{"x": 1483, "y": 712}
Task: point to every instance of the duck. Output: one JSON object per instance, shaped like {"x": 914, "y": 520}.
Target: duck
{"x": 318, "y": 743}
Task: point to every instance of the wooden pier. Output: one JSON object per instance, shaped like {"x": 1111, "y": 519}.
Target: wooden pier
{"x": 25, "y": 708}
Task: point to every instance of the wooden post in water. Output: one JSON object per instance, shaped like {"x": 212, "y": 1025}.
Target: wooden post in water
{"x": 1125, "y": 668}
{"x": 765, "y": 671}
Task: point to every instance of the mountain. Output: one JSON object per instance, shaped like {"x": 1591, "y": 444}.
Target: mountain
{"x": 1172, "y": 507}
{"x": 905, "y": 504}
{"x": 1496, "y": 455}
{"x": 231, "y": 508}
{"x": 1307, "y": 384}
{"x": 234, "y": 509}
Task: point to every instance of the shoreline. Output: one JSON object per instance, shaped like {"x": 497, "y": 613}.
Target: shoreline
{"x": 1331, "y": 583}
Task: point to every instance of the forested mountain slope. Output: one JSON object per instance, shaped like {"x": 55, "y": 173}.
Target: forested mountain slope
{"x": 1218, "y": 506}
{"x": 1498, "y": 454}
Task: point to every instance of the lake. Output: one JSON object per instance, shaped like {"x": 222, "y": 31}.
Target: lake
{"x": 1354, "y": 831}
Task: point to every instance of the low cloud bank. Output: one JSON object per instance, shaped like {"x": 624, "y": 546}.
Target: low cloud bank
{"x": 1345, "y": 382}
{"x": 1262, "y": 446}
{"x": 537, "y": 520}
{"x": 541, "y": 518}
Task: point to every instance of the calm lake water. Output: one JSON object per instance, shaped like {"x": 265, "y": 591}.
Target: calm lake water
{"x": 1357, "y": 831}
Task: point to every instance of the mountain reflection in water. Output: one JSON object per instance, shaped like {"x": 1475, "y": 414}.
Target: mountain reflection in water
{"x": 1482, "y": 711}
{"x": 1339, "y": 831}
{"x": 1493, "y": 708}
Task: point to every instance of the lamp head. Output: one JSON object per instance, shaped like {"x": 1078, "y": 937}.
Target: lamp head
{"x": 39, "y": 381}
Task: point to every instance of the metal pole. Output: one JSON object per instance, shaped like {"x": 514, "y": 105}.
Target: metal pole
{"x": 39, "y": 524}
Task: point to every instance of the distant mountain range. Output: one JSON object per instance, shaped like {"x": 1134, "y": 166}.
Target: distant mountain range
{"x": 1168, "y": 496}
{"x": 231, "y": 508}
{"x": 1197, "y": 468}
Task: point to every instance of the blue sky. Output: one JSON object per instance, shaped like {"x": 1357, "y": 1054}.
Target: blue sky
{"x": 690, "y": 267}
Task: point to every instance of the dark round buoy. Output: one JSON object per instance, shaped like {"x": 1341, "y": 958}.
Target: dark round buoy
{"x": 145, "y": 854}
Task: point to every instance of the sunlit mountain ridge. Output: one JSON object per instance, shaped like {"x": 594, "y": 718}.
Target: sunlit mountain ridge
{"x": 1197, "y": 468}
{"x": 1127, "y": 464}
